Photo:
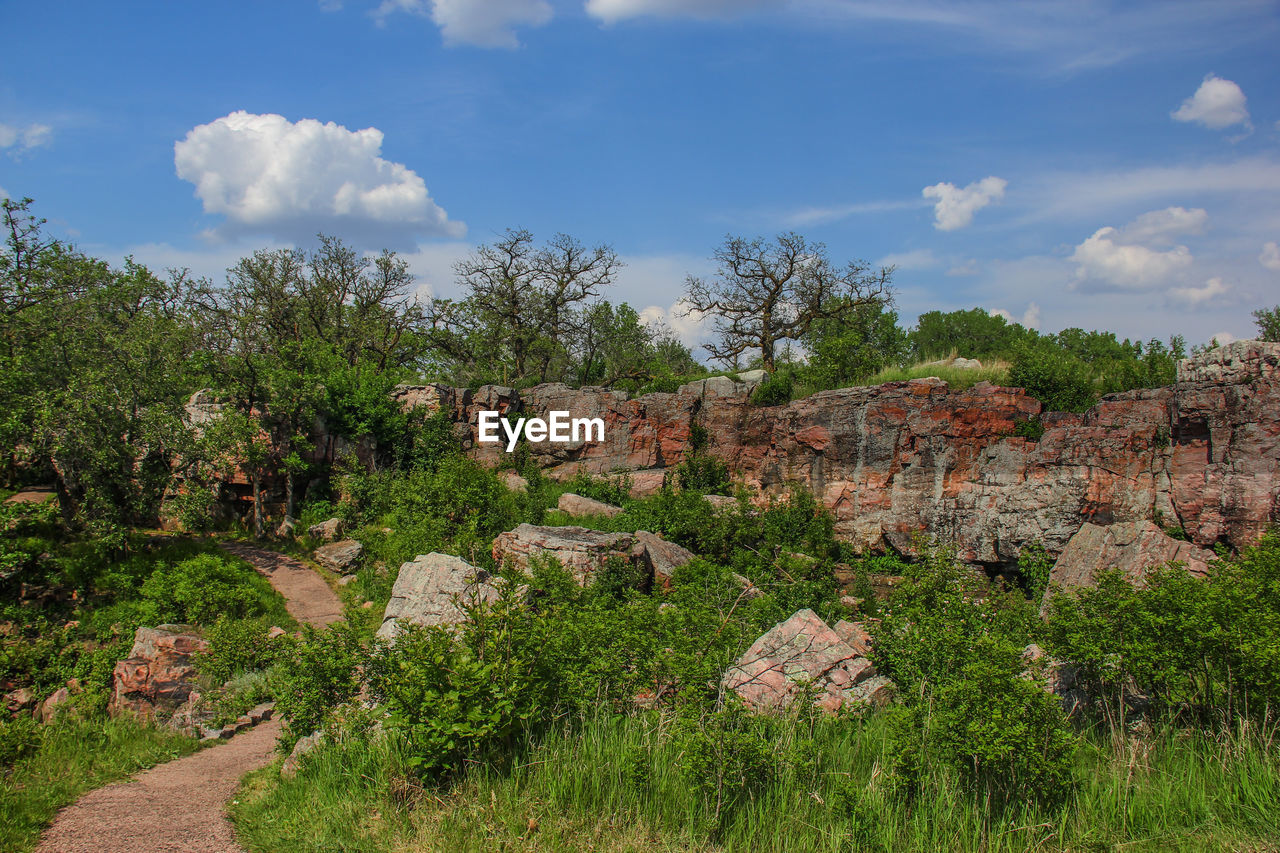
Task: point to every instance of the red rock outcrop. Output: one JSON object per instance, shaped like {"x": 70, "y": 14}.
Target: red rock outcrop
{"x": 907, "y": 458}
{"x": 803, "y": 650}
{"x": 1132, "y": 546}
{"x": 159, "y": 673}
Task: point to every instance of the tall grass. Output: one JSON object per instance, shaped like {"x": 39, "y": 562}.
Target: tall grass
{"x": 616, "y": 783}
{"x": 74, "y": 756}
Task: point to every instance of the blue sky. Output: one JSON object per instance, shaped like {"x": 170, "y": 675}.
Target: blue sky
{"x": 1068, "y": 163}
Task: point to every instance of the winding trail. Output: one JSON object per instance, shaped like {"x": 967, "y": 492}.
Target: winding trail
{"x": 180, "y": 806}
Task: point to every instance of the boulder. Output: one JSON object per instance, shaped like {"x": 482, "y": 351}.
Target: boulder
{"x": 19, "y": 700}
{"x": 720, "y": 502}
{"x": 275, "y": 631}
{"x": 49, "y": 707}
{"x": 646, "y": 484}
{"x": 1134, "y": 547}
{"x": 578, "y": 506}
{"x": 327, "y": 531}
{"x": 661, "y": 556}
{"x": 855, "y": 634}
{"x": 304, "y": 745}
{"x": 1055, "y": 676}
{"x": 580, "y": 550}
{"x": 801, "y": 650}
{"x": 434, "y": 590}
{"x": 159, "y": 673}
{"x": 514, "y": 482}
{"x": 967, "y": 364}
{"x": 341, "y": 557}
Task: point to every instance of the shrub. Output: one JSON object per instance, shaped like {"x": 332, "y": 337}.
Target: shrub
{"x": 700, "y": 471}
{"x": 237, "y": 646}
{"x": 323, "y": 670}
{"x": 1181, "y": 645}
{"x": 1053, "y": 377}
{"x": 775, "y": 389}
{"x": 456, "y": 700}
{"x": 203, "y": 588}
{"x": 611, "y": 490}
{"x": 728, "y": 757}
{"x": 953, "y": 644}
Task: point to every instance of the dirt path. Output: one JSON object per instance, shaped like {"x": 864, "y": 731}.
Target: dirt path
{"x": 308, "y": 598}
{"x": 179, "y": 807}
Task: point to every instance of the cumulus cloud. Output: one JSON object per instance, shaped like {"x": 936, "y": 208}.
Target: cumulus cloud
{"x": 19, "y": 140}
{"x": 1030, "y": 317}
{"x": 1196, "y": 296}
{"x": 1270, "y": 257}
{"x": 491, "y": 23}
{"x": 1143, "y": 254}
{"x": 1161, "y": 227}
{"x": 1218, "y": 103}
{"x": 1105, "y": 259}
{"x": 955, "y": 206}
{"x": 266, "y": 174}
{"x": 688, "y": 326}
{"x": 611, "y": 11}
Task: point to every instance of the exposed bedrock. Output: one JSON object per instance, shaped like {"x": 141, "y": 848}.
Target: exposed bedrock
{"x": 907, "y": 458}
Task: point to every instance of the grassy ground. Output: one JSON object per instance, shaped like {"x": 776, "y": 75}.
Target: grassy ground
{"x": 617, "y": 785}
{"x": 74, "y": 757}
{"x": 997, "y": 373}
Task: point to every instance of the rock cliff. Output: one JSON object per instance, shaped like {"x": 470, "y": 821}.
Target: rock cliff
{"x": 905, "y": 458}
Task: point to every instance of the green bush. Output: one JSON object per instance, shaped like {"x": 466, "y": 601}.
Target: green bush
{"x": 201, "y": 589}
{"x": 728, "y": 757}
{"x": 322, "y": 671}
{"x": 238, "y": 646}
{"x": 1201, "y": 650}
{"x": 614, "y": 490}
{"x": 457, "y": 700}
{"x": 775, "y": 389}
{"x": 1061, "y": 382}
{"x": 952, "y": 642}
{"x": 700, "y": 471}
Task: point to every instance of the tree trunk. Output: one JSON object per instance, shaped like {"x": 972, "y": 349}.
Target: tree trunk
{"x": 288, "y": 500}
{"x": 257, "y": 505}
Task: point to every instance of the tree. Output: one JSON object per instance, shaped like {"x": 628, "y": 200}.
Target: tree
{"x": 853, "y": 349}
{"x": 1268, "y": 322}
{"x": 95, "y": 364}
{"x": 523, "y": 305}
{"x": 765, "y": 293}
{"x": 972, "y": 333}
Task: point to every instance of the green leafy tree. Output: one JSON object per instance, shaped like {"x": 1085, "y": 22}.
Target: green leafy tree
{"x": 1268, "y": 322}
{"x": 854, "y": 347}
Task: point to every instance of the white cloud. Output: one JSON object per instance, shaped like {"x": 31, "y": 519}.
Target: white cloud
{"x": 955, "y": 207}
{"x": 1270, "y": 257}
{"x": 1030, "y": 317}
{"x": 1105, "y": 262}
{"x": 1197, "y": 296}
{"x": 807, "y": 216}
{"x": 266, "y": 174}
{"x": 1218, "y": 103}
{"x": 689, "y": 327}
{"x": 916, "y": 259}
{"x": 4, "y": 193}
{"x": 490, "y": 23}
{"x": 23, "y": 139}
{"x": 1161, "y": 226}
{"x": 612, "y": 11}
{"x": 1224, "y": 338}
{"x": 965, "y": 267}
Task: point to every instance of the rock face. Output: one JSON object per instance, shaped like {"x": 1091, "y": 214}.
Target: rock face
{"x": 1133, "y": 546}
{"x": 579, "y": 506}
{"x": 584, "y": 552}
{"x": 433, "y": 590}
{"x": 159, "y": 673}
{"x": 914, "y": 457}
{"x": 803, "y": 649}
{"x": 341, "y": 557}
